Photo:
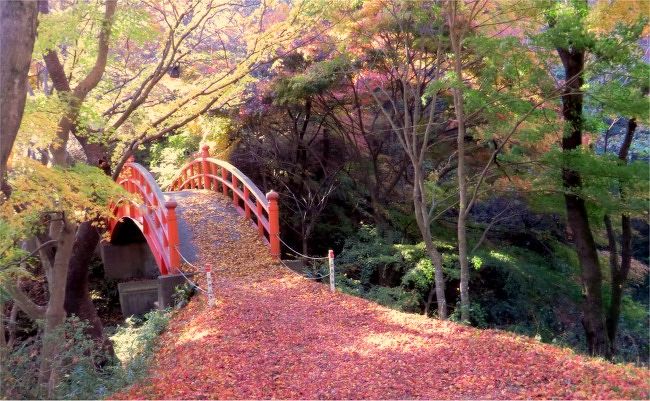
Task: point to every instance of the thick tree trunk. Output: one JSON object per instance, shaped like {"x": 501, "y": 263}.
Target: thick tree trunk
{"x": 577, "y": 218}
{"x": 17, "y": 34}
{"x": 620, "y": 272}
{"x": 77, "y": 295}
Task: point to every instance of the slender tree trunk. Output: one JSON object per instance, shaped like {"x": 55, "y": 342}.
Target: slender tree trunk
{"x": 463, "y": 202}
{"x": 55, "y": 313}
{"x": 18, "y": 20}
{"x": 436, "y": 259}
{"x": 422, "y": 220}
{"x": 577, "y": 218}
{"x": 620, "y": 272}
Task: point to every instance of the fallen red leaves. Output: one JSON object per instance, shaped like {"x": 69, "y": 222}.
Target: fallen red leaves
{"x": 275, "y": 335}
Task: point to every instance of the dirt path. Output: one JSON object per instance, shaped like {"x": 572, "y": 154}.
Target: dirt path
{"x": 275, "y": 335}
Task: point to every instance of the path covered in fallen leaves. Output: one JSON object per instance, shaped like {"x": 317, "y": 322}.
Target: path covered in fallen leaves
{"x": 273, "y": 334}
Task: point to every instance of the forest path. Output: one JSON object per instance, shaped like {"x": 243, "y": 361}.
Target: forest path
{"x": 273, "y": 334}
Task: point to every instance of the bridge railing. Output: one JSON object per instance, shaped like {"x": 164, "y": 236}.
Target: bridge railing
{"x": 206, "y": 172}
{"x": 156, "y": 216}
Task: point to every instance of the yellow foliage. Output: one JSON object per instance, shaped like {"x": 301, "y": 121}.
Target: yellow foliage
{"x": 80, "y": 192}
{"x": 40, "y": 121}
{"x": 607, "y": 13}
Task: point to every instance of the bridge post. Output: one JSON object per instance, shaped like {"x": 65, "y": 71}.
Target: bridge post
{"x": 247, "y": 196}
{"x": 224, "y": 179}
{"x": 205, "y": 153}
{"x": 274, "y": 223}
{"x": 260, "y": 226}
{"x": 215, "y": 181}
{"x": 235, "y": 185}
{"x": 172, "y": 232}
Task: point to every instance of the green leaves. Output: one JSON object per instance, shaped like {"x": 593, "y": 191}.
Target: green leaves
{"x": 81, "y": 192}
{"x": 567, "y": 28}
{"x": 133, "y": 23}
{"x": 65, "y": 28}
{"x": 602, "y": 175}
{"x": 314, "y": 80}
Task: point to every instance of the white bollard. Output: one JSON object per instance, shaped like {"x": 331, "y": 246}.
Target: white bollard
{"x": 208, "y": 273}
{"x": 330, "y": 258}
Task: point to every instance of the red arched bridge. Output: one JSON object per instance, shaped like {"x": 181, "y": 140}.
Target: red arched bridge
{"x": 154, "y": 213}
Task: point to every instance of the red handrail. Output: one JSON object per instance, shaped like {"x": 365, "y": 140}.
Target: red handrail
{"x": 217, "y": 175}
{"x": 156, "y": 216}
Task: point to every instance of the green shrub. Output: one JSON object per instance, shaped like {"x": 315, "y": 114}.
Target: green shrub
{"x": 367, "y": 253}
{"x": 477, "y": 315}
{"x": 395, "y": 297}
{"x": 183, "y": 293}
{"x": 632, "y": 341}
{"x": 85, "y": 370}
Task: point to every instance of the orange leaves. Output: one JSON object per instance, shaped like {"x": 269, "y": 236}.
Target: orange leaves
{"x": 275, "y": 335}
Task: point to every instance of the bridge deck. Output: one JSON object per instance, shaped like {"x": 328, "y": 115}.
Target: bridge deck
{"x": 273, "y": 334}
{"x": 191, "y": 223}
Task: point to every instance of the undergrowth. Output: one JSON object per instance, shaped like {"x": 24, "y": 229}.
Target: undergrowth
{"x": 85, "y": 369}
{"x": 512, "y": 288}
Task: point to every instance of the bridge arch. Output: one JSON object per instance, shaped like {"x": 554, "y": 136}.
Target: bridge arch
{"x": 155, "y": 216}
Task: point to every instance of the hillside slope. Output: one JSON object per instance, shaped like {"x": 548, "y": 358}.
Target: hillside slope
{"x": 273, "y": 334}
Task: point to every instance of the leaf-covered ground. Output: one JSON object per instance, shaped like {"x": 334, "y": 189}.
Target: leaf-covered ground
{"x": 273, "y": 334}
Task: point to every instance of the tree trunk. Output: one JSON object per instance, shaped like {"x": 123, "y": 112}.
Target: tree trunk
{"x": 463, "y": 202}
{"x": 577, "y": 218}
{"x": 620, "y": 272}
{"x": 55, "y": 313}
{"x": 77, "y": 295}
{"x": 17, "y": 34}
{"x": 77, "y": 95}
{"x": 422, "y": 220}
{"x": 436, "y": 259}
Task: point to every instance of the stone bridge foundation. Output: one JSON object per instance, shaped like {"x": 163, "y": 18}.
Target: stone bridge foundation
{"x": 129, "y": 260}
